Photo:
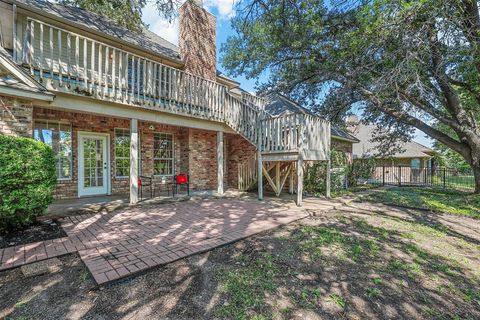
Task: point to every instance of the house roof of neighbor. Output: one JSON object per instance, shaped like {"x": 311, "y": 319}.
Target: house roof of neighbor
{"x": 278, "y": 105}
{"x": 143, "y": 39}
{"x": 368, "y": 148}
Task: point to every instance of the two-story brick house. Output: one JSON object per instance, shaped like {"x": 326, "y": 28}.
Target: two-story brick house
{"x": 116, "y": 104}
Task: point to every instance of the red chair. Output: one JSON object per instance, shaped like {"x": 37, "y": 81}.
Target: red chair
{"x": 181, "y": 180}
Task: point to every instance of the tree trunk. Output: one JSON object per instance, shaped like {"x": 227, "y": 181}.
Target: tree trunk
{"x": 476, "y": 174}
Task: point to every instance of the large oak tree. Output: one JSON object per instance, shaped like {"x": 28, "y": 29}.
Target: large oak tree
{"x": 407, "y": 63}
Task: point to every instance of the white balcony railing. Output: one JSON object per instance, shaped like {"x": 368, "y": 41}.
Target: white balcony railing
{"x": 68, "y": 62}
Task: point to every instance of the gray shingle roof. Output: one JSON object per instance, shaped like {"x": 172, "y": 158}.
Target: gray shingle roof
{"x": 368, "y": 148}
{"x": 278, "y": 105}
{"x": 143, "y": 39}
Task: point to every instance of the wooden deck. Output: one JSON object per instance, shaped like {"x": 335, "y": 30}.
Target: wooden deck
{"x": 64, "y": 61}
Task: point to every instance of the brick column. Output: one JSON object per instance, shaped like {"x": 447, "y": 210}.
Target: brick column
{"x": 16, "y": 117}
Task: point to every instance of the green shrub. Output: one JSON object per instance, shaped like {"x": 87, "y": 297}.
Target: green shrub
{"x": 360, "y": 169}
{"x": 315, "y": 174}
{"x": 27, "y": 180}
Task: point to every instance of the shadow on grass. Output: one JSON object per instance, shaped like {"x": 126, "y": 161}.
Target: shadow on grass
{"x": 332, "y": 267}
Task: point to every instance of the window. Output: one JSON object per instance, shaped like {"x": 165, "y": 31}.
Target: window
{"x": 59, "y": 137}
{"x": 415, "y": 163}
{"x": 122, "y": 152}
{"x": 163, "y": 154}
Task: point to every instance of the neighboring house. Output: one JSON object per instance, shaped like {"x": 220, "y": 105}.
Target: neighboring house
{"x": 279, "y": 105}
{"x": 116, "y": 105}
{"x": 411, "y": 154}
{"x": 411, "y": 164}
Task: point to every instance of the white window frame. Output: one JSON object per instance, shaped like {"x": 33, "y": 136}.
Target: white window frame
{"x": 115, "y": 151}
{"x": 173, "y": 155}
{"x": 71, "y": 140}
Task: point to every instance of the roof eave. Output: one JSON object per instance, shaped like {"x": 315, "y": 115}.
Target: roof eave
{"x": 344, "y": 139}
{"x": 26, "y": 94}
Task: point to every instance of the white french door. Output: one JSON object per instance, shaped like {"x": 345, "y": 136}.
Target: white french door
{"x": 93, "y": 164}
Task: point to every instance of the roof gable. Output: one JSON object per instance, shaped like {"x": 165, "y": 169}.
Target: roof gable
{"x": 369, "y": 148}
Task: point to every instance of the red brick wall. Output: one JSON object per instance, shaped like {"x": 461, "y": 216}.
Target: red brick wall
{"x": 238, "y": 151}
{"x": 15, "y": 117}
{"x": 202, "y": 159}
{"x": 90, "y": 123}
{"x": 198, "y": 40}
{"x": 195, "y": 150}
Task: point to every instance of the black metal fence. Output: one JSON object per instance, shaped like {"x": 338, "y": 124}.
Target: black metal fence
{"x": 433, "y": 177}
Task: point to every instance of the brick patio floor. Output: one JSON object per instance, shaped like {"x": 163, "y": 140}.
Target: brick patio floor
{"x": 126, "y": 241}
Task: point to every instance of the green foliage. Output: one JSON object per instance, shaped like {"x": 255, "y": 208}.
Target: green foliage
{"x": 361, "y": 169}
{"x": 126, "y": 13}
{"x": 315, "y": 174}
{"x": 395, "y": 60}
{"x": 27, "y": 180}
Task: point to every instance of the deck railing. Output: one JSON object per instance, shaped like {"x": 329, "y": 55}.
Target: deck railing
{"x": 69, "y": 62}
{"x": 66, "y": 61}
{"x": 294, "y": 132}
{"x": 247, "y": 173}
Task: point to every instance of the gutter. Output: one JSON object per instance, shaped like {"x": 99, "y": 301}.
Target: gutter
{"x": 26, "y": 94}
{"x": 344, "y": 139}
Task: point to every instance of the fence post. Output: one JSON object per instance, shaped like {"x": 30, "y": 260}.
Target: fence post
{"x": 444, "y": 177}
{"x": 383, "y": 176}
{"x": 399, "y": 176}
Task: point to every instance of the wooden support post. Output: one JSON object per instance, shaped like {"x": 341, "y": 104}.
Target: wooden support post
{"x": 299, "y": 180}
{"x": 277, "y": 177}
{"x": 220, "y": 162}
{"x": 260, "y": 175}
{"x": 328, "y": 178}
{"x": 292, "y": 179}
{"x": 134, "y": 148}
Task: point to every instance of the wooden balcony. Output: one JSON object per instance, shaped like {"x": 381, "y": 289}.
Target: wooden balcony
{"x": 64, "y": 61}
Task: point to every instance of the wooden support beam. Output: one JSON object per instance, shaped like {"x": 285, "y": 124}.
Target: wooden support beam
{"x": 260, "y": 175}
{"x": 220, "y": 162}
{"x": 328, "y": 178}
{"x": 277, "y": 178}
{"x": 299, "y": 181}
{"x": 292, "y": 179}
{"x": 269, "y": 179}
{"x": 134, "y": 148}
{"x": 287, "y": 174}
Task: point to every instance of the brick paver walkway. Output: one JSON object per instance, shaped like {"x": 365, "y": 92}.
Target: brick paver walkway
{"x": 118, "y": 244}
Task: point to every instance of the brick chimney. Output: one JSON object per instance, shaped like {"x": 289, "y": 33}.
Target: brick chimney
{"x": 353, "y": 124}
{"x": 198, "y": 39}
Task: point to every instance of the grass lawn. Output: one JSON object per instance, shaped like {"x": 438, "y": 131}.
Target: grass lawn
{"x": 365, "y": 261}
{"x": 448, "y": 201}
{"x": 352, "y": 190}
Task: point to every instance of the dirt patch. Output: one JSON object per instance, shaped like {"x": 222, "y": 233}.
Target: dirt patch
{"x": 40, "y": 231}
{"x": 363, "y": 262}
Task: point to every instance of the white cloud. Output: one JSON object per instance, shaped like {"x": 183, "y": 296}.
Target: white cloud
{"x": 225, "y": 8}
{"x": 170, "y": 30}
{"x": 165, "y": 29}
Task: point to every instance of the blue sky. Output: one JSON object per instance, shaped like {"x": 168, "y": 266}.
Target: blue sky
{"x": 224, "y": 10}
